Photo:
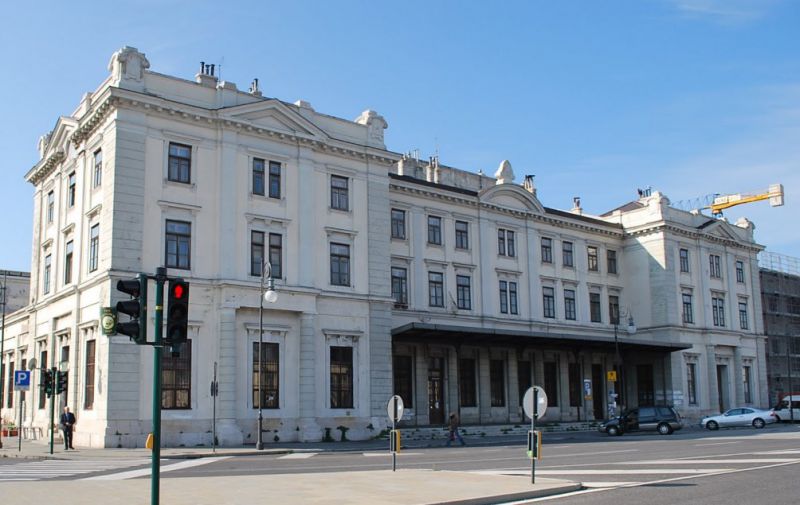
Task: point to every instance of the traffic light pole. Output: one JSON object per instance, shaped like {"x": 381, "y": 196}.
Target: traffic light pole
{"x": 161, "y": 277}
{"x": 54, "y": 372}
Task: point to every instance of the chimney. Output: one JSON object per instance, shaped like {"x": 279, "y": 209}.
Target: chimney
{"x": 206, "y": 76}
{"x": 527, "y": 184}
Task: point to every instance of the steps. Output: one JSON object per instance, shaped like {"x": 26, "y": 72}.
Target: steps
{"x": 488, "y": 430}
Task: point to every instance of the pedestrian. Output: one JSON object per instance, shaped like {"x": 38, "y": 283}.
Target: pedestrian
{"x": 454, "y": 433}
{"x": 67, "y": 426}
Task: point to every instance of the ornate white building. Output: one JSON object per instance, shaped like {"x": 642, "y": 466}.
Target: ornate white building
{"x": 455, "y": 290}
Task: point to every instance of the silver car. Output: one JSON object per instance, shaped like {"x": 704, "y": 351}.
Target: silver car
{"x": 745, "y": 416}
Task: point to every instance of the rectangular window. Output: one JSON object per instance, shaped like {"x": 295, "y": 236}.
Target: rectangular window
{"x": 497, "y": 383}
{"x": 256, "y": 252}
{"x": 178, "y": 242}
{"x": 466, "y": 382}
{"x": 506, "y": 244}
{"x": 575, "y": 385}
{"x": 71, "y": 184}
{"x": 714, "y": 266}
{"x": 97, "y": 178}
{"x": 176, "y": 378}
{"x": 47, "y": 268}
{"x": 549, "y": 302}
{"x": 613, "y": 309}
{"x": 276, "y": 255}
{"x": 340, "y": 264}
{"x": 594, "y": 307}
{"x": 274, "y": 179}
{"x": 51, "y": 205}
{"x": 551, "y": 382}
{"x": 684, "y": 259}
{"x": 718, "y": 311}
{"x": 748, "y": 394}
{"x": 341, "y": 377}
{"x": 503, "y": 297}
{"x": 403, "y": 379}
{"x": 569, "y": 304}
{"x": 688, "y": 312}
{"x": 180, "y": 163}
{"x": 463, "y": 292}
{"x": 591, "y": 252}
{"x": 68, "y": 263}
{"x": 88, "y": 391}
{"x": 691, "y": 382}
{"x": 94, "y": 247}
{"x": 42, "y": 364}
{"x": 462, "y": 235}
{"x": 340, "y": 193}
{"x": 435, "y": 230}
{"x": 10, "y": 384}
{"x": 400, "y": 286}
{"x": 566, "y": 253}
{"x": 512, "y": 298}
{"x": 611, "y": 259}
{"x": 269, "y": 379}
{"x": 435, "y": 289}
{"x": 399, "y": 224}
{"x": 743, "y": 323}
{"x": 740, "y": 272}
{"x": 258, "y": 176}
{"x": 547, "y": 250}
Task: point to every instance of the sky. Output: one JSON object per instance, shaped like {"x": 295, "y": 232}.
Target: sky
{"x": 596, "y": 99}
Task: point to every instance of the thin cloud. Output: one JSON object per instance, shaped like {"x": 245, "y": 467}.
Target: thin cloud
{"x": 726, "y": 12}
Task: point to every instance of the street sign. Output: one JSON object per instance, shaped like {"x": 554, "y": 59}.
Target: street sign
{"x": 22, "y": 380}
{"x": 395, "y": 409}
{"x": 611, "y": 375}
{"x": 541, "y": 400}
{"x": 108, "y": 320}
{"x": 587, "y": 389}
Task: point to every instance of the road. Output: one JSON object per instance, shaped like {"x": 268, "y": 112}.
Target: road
{"x": 744, "y": 465}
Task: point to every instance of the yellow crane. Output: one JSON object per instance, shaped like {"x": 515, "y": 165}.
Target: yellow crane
{"x": 721, "y": 202}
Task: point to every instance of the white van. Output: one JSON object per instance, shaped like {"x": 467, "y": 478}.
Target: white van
{"x": 782, "y": 408}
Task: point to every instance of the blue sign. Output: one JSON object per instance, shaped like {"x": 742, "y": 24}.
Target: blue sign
{"x": 22, "y": 380}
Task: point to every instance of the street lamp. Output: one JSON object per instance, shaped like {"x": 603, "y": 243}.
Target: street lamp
{"x": 3, "y": 344}
{"x": 618, "y": 361}
{"x": 270, "y": 296}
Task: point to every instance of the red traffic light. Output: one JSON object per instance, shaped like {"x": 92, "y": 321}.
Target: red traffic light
{"x": 178, "y": 290}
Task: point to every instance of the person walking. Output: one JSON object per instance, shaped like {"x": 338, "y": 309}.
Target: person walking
{"x": 67, "y": 425}
{"x": 454, "y": 433}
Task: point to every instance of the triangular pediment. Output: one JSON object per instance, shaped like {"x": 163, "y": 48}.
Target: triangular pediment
{"x": 274, "y": 115}
{"x": 511, "y": 196}
{"x": 721, "y": 229}
{"x": 59, "y": 137}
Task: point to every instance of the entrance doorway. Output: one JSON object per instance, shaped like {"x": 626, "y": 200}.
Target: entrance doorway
{"x": 722, "y": 386}
{"x": 645, "y": 385}
{"x": 597, "y": 391}
{"x": 436, "y": 391}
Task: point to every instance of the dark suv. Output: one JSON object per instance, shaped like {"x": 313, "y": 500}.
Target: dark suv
{"x": 661, "y": 418}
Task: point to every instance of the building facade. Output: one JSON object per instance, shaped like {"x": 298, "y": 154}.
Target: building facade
{"x": 780, "y": 291}
{"x": 455, "y": 290}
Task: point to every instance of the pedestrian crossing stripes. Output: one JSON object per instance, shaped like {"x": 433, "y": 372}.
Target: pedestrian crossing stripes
{"x": 299, "y": 455}
{"x": 171, "y": 467}
{"x": 54, "y": 468}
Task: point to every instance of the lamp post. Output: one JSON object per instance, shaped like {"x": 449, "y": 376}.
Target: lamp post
{"x": 3, "y": 347}
{"x": 270, "y": 296}
{"x": 618, "y": 361}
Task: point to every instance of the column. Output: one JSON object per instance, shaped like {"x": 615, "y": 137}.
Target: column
{"x": 309, "y": 428}
{"x": 713, "y": 391}
{"x": 738, "y": 379}
{"x": 228, "y": 432}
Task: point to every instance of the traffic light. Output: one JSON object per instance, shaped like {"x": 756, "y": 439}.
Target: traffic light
{"x": 46, "y": 384}
{"x": 61, "y": 382}
{"x": 135, "y": 308}
{"x": 177, "y": 312}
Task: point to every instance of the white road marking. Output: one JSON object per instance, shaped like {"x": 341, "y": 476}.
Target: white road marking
{"x": 725, "y": 461}
{"x": 401, "y": 453}
{"x": 132, "y": 474}
{"x": 633, "y": 471}
{"x": 40, "y": 470}
{"x": 716, "y": 443}
{"x": 602, "y": 484}
{"x": 299, "y": 455}
{"x": 572, "y": 455}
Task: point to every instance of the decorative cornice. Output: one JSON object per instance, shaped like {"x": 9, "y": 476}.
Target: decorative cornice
{"x": 662, "y": 227}
{"x": 92, "y": 121}
{"x": 47, "y": 167}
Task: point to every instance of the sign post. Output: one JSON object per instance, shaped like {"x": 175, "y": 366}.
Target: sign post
{"x": 22, "y": 382}
{"x": 395, "y": 411}
{"x": 534, "y": 403}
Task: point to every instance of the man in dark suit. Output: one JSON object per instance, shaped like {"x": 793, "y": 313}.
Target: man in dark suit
{"x": 67, "y": 425}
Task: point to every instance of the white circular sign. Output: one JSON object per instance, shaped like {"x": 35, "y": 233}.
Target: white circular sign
{"x": 395, "y": 408}
{"x": 541, "y": 400}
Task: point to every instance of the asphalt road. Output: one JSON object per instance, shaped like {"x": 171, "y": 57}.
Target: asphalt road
{"x": 693, "y": 466}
